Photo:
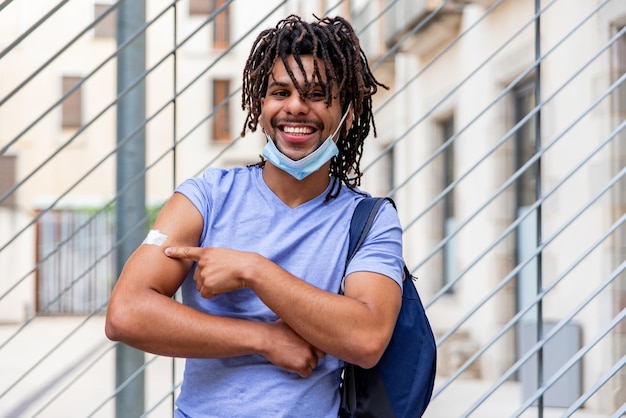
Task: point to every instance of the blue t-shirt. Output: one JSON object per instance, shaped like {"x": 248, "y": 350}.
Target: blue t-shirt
{"x": 311, "y": 242}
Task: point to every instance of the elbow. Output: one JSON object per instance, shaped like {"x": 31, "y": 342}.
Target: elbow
{"x": 111, "y": 331}
{"x": 116, "y": 326}
{"x": 370, "y": 351}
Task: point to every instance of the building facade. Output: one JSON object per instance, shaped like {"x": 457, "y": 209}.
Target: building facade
{"x": 501, "y": 139}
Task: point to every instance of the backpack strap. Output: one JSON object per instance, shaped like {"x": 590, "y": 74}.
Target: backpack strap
{"x": 361, "y": 223}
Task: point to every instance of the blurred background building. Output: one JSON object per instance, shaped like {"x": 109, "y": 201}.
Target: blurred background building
{"x": 501, "y": 139}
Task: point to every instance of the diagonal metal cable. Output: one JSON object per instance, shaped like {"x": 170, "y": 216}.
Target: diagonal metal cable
{"x": 592, "y": 390}
{"x": 52, "y": 350}
{"x": 71, "y": 236}
{"x": 111, "y": 202}
{"x": 380, "y": 15}
{"x": 510, "y": 133}
{"x": 126, "y": 186}
{"x": 518, "y": 268}
{"x": 51, "y": 59}
{"x": 517, "y": 317}
{"x": 540, "y": 248}
{"x": 69, "y": 92}
{"x": 137, "y": 33}
{"x": 82, "y": 178}
{"x": 158, "y": 402}
{"x": 333, "y": 7}
{"x": 501, "y": 95}
{"x": 535, "y": 205}
{"x": 539, "y": 344}
{"x": 445, "y": 97}
{"x": 5, "y": 4}
{"x": 88, "y": 368}
{"x": 124, "y": 384}
{"x": 413, "y": 31}
{"x": 205, "y": 118}
{"x": 571, "y": 363}
{"x": 122, "y": 94}
{"x": 619, "y": 413}
{"x": 31, "y": 29}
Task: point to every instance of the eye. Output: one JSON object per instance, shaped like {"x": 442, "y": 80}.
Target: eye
{"x": 280, "y": 93}
{"x": 316, "y": 95}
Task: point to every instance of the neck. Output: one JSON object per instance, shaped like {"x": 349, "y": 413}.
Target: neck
{"x": 294, "y": 192}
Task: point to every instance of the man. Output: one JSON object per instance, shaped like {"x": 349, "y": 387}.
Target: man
{"x": 259, "y": 252}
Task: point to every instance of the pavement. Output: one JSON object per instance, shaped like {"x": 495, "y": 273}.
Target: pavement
{"x": 64, "y": 367}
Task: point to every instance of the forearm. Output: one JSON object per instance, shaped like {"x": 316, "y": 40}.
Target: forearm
{"x": 155, "y": 323}
{"x": 352, "y": 329}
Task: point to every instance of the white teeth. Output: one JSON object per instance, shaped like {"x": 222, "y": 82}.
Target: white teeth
{"x": 297, "y": 130}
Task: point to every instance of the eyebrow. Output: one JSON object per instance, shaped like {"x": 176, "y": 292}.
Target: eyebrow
{"x": 287, "y": 84}
{"x": 278, "y": 84}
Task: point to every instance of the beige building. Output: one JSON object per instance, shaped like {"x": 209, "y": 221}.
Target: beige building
{"x": 501, "y": 139}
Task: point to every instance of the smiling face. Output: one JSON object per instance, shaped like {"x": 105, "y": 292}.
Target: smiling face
{"x": 298, "y": 125}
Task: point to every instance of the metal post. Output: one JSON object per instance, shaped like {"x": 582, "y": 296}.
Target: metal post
{"x": 130, "y": 208}
{"x": 538, "y": 194}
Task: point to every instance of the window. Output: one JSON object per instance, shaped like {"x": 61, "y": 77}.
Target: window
{"x": 525, "y": 144}
{"x": 8, "y": 167}
{"x": 221, "y": 26}
{"x": 106, "y": 27}
{"x": 446, "y": 129}
{"x": 221, "y": 21}
{"x": 525, "y": 192}
{"x": 221, "y": 107}
{"x": 200, "y": 7}
{"x": 71, "y": 108}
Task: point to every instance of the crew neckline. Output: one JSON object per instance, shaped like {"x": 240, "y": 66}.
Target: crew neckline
{"x": 266, "y": 190}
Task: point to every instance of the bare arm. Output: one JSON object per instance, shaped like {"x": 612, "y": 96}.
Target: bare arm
{"x": 355, "y": 327}
{"x": 142, "y": 313}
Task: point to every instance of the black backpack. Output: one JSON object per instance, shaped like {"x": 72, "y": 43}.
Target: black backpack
{"x": 401, "y": 384}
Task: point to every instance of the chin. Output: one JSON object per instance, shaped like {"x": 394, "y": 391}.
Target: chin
{"x": 297, "y": 154}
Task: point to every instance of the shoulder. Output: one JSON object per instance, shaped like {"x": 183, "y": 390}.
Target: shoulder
{"x": 203, "y": 190}
{"x": 217, "y": 178}
{"x": 386, "y": 217}
{"x": 381, "y": 249}
{"x": 386, "y": 205}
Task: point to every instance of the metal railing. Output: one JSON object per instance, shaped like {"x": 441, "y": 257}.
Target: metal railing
{"x": 61, "y": 362}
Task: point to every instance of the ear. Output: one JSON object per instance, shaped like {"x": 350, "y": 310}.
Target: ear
{"x": 349, "y": 119}
{"x": 260, "y": 122}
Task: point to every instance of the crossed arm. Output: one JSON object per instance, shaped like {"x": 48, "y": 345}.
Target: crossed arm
{"x": 355, "y": 327}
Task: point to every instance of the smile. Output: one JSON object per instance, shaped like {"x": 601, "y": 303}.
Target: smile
{"x": 299, "y": 130}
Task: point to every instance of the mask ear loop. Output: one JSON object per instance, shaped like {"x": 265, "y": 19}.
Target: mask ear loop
{"x": 343, "y": 118}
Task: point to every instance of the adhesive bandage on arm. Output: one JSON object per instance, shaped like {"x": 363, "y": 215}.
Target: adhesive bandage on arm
{"x": 155, "y": 237}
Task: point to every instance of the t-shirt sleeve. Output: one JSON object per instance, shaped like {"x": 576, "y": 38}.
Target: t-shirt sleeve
{"x": 197, "y": 191}
{"x": 381, "y": 251}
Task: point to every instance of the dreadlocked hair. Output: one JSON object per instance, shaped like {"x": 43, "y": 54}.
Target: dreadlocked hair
{"x": 333, "y": 41}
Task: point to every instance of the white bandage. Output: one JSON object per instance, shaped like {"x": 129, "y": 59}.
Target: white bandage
{"x": 155, "y": 238}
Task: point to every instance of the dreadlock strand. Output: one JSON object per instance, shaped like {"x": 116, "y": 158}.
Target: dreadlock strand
{"x": 334, "y": 42}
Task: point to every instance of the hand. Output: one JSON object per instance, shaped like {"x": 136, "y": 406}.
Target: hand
{"x": 288, "y": 350}
{"x": 218, "y": 270}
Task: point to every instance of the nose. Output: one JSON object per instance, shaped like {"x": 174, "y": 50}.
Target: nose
{"x": 296, "y": 105}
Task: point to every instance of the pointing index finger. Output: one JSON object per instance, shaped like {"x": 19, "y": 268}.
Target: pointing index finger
{"x": 191, "y": 253}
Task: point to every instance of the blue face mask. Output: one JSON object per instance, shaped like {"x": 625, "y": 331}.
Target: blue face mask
{"x": 307, "y": 165}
